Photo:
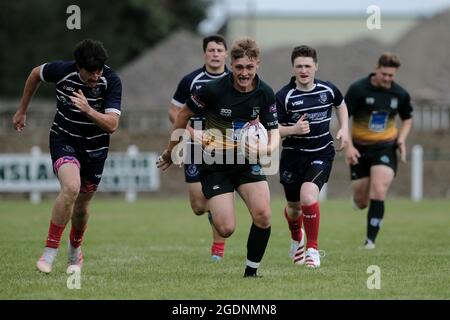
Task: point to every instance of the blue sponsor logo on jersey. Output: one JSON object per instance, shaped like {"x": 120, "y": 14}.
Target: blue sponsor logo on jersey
{"x": 237, "y": 126}
{"x": 378, "y": 121}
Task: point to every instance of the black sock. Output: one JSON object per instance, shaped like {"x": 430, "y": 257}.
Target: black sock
{"x": 374, "y": 218}
{"x": 256, "y": 246}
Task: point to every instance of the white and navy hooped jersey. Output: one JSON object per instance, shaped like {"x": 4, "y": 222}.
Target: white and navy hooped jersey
{"x": 317, "y": 103}
{"x": 105, "y": 97}
{"x": 191, "y": 83}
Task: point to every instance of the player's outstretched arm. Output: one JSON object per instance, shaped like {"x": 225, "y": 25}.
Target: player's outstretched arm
{"x": 165, "y": 159}
{"x": 31, "y": 85}
{"x": 173, "y": 113}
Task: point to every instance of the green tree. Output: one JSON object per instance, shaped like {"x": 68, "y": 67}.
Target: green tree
{"x": 33, "y": 32}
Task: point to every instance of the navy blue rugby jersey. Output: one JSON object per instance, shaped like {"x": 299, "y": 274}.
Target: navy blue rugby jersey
{"x": 105, "y": 97}
{"x": 317, "y": 103}
{"x": 191, "y": 83}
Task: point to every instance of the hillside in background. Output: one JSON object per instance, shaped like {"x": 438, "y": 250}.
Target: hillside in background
{"x": 151, "y": 79}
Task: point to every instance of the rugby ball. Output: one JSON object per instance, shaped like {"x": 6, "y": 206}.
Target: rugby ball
{"x": 253, "y": 133}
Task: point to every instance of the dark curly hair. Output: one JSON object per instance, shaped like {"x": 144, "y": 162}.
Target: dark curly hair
{"x": 90, "y": 55}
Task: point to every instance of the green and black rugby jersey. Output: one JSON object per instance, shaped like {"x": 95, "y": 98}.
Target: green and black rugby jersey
{"x": 374, "y": 110}
{"x": 227, "y": 110}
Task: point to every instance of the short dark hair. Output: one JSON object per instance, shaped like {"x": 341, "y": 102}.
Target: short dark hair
{"x": 389, "y": 59}
{"x": 304, "y": 51}
{"x": 217, "y": 38}
{"x": 245, "y": 47}
{"x": 90, "y": 55}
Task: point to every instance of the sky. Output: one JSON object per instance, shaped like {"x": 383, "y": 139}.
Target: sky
{"x": 218, "y": 12}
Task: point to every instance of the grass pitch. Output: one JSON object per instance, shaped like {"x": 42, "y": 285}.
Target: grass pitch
{"x": 158, "y": 249}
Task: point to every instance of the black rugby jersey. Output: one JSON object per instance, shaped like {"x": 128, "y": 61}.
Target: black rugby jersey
{"x": 226, "y": 109}
{"x": 105, "y": 97}
{"x": 374, "y": 110}
{"x": 317, "y": 103}
{"x": 191, "y": 83}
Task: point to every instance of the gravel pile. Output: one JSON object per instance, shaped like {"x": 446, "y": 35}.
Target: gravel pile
{"x": 424, "y": 51}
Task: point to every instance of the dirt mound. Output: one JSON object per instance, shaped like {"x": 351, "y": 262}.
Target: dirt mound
{"x": 424, "y": 52}
{"x": 340, "y": 65}
{"x": 150, "y": 80}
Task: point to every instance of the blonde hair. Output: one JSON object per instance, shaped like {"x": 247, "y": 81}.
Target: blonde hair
{"x": 389, "y": 59}
{"x": 245, "y": 47}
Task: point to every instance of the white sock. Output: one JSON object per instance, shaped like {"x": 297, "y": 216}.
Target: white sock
{"x": 49, "y": 254}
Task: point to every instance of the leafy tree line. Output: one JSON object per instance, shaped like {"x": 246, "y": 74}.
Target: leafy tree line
{"x": 35, "y": 31}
